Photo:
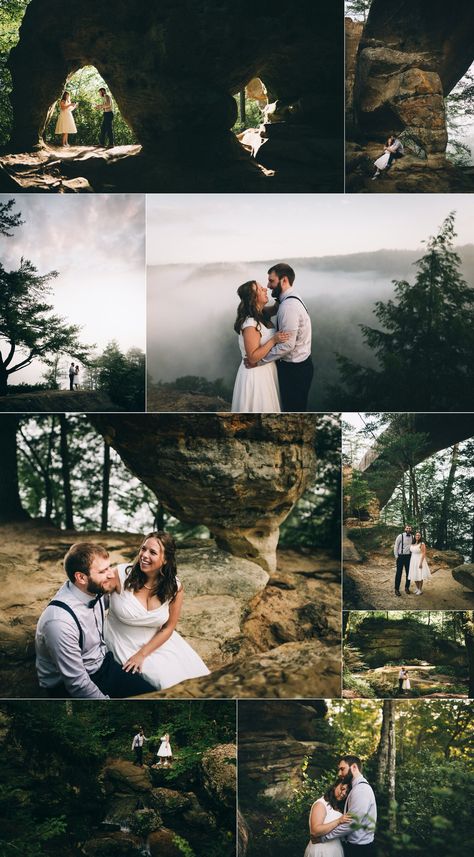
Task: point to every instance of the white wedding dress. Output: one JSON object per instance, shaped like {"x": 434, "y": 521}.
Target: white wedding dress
{"x": 325, "y": 849}
{"x": 418, "y": 570}
{"x": 129, "y": 625}
{"x": 65, "y": 123}
{"x": 381, "y": 163}
{"x": 256, "y": 390}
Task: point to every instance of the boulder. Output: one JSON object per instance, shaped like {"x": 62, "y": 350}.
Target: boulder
{"x": 166, "y": 843}
{"x": 218, "y": 767}
{"x": 464, "y": 574}
{"x": 123, "y": 776}
{"x": 240, "y": 475}
{"x": 119, "y": 844}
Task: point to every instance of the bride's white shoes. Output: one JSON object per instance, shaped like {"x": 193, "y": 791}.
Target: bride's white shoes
{"x": 417, "y": 591}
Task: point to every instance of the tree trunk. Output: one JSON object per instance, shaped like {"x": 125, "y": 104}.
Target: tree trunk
{"x": 104, "y": 519}
{"x": 441, "y": 542}
{"x": 3, "y": 380}
{"x": 48, "y": 483}
{"x": 242, "y": 107}
{"x": 66, "y": 472}
{"x": 468, "y": 629}
{"x": 416, "y": 500}
{"x": 383, "y": 748}
{"x": 386, "y": 759}
{"x": 10, "y": 503}
{"x": 392, "y": 768}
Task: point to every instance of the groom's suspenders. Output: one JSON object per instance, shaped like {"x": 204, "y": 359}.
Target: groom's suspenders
{"x": 296, "y": 298}
{"x": 71, "y": 613}
{"x": 69, "y": 610}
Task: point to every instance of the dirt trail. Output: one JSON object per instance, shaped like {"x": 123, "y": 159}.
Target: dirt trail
{"x": 370, "y": 586}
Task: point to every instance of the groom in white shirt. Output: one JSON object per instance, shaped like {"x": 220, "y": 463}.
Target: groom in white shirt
{"x": 361, "y": 804}
{"x": 295, "y": 365}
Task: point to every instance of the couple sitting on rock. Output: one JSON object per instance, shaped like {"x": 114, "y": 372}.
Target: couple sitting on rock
{"x": 393, "y": 150}
{"x": 110, "y": 632}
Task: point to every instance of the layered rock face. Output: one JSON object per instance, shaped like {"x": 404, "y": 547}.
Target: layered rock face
{"x": 173, "y": 67}
{"x": 410, "y": 57}
{"x": 382, "y": 640}
{"x": 274, "y": 739}
{"x": 238, "y": 475}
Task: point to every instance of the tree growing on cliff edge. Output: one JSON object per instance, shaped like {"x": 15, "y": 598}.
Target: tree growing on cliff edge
{"x": 358, "y": 8}
{"x": 29, "y": 329}
{"x": 425, "y": 347}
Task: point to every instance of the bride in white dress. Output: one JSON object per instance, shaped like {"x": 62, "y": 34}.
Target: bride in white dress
{"x": 419, "y": 570}
{"x": 65, "y": 124}
{"x": 325, "y": 815}
{"x": 256, "y": 388}
{"x": 143, "y": 614}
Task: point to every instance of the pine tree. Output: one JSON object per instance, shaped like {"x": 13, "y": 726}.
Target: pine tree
{"x": 425, "y": 347}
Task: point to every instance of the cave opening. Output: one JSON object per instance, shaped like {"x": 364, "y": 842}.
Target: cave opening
{"x": 83, "y": 86}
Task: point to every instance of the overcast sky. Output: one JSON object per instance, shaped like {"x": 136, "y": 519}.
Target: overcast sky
{"x": 97, "y": 243}
{"x": 221, "y": 227}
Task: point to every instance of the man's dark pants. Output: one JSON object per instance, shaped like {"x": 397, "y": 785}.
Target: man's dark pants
{"x": 71, "y": 382}
{"x": 359, "y": 850}
{"x": 138, "y": 756}
{"x": 107, "y": 130}
{"x": 400, "y": 685}
{"x": 403, "y": 562}
{"x": 112, "y": 680}
{"x": 394, "y": 156}
{"x": 295, "y": 380}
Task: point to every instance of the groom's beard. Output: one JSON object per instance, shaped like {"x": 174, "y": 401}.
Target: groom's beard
{"x": 276, "y": 291}
{"x": 347, "y": 779}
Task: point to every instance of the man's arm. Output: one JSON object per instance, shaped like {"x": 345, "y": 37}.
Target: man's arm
{"x": 396, "y": 545}
{"x": 287, "y": 322}
{"x": 358, "y": 806}
{"x": 63, "y": 647}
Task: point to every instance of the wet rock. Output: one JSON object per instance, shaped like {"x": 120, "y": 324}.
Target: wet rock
{"x": 120, "y": 775}
{"x": 165, "y": 843}
{"x": 117, "y": 844}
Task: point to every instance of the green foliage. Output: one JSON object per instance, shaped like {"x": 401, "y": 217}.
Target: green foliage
{"x": 11, "y": 15}
{"x": 459, "y": 108}
{"x": 253, "y": 115}
{"x": 121, "y": 375}
{"x": 358, "y": 9}
{"x": 84, "y": 87}
{"x": 358, "y": 494}
{"x": 315, "y": 519}
{"x": 426, "y": 339}
{"x": 29, "y": 328}
{"x": 183, "y": 845}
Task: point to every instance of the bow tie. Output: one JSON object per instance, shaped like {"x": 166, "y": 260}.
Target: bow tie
{"x": 94, "y": 601}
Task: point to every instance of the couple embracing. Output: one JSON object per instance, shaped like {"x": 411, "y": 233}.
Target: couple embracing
{"x": 275, "y": 344}
{"x": 342, "y": 822}
{"x": 110, "y": 632}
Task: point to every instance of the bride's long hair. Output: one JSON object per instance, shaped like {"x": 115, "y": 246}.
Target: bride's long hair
{"x": 330, "y": 796}
{"x": 247, "y": 307}
{"x": 66, "y": 96}
{"x": 165, "y": 587}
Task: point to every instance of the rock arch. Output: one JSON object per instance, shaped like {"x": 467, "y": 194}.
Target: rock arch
{"x": 173, "y": 66}
{"x": 409, "y": 58}
{"x": 238, "y": 475}
{"x": 442, "y": 430}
